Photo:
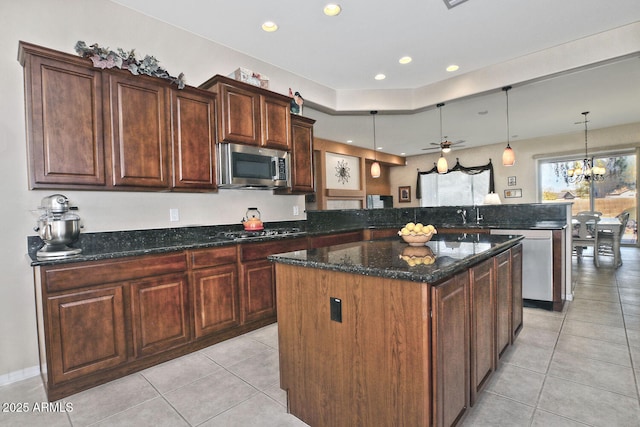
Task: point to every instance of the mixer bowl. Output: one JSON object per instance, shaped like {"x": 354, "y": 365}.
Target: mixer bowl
{"x": 58, "y": 232}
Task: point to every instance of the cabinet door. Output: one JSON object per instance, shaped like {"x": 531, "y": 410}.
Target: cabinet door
{"x": 483, "y": 345}
{"x": 516, "y": 290}
{"x": 302, "y": 180}
{"x": 194, "y": 138}
{"x": 216, "y": 299}
{"x": 503, "y": 301}
{"x": 138, "y": 132}
{"x": 240, "y": 116}
{"x": 64, "y": 124}
{"x": 86, "y": 332}
{"x": 276, "y": 122}
{"x": 450, "y": 349}
{"x": 159, "y": 313}
{"x": 258, "y": 291}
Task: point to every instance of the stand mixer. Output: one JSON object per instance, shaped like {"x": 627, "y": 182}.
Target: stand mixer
{"x": 57, "y": 227}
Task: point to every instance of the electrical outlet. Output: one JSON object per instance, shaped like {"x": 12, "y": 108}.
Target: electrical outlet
{"x": 296, "y": 211}
{"x": 174, "y": 215}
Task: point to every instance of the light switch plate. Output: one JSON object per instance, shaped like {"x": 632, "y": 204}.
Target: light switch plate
{"x": 174, "y": 215}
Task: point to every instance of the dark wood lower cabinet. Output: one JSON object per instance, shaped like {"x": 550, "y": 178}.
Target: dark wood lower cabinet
{"x": 483, "y": 348}
{"x": 258, "y": 290}
{"x": 516, "y": 291}
{"x": 450, "y": 349}
{"x": 159, "y": 313}
{"x": 503, "y": 301}
{"x": 86, "y": 332}
{"x": 216, "y": 299}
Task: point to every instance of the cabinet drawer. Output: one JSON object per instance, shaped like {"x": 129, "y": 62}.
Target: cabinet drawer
{"x": 253, "y": 251}
{"x": 336, "y": 239}
{"x": 213, "y": 256}
{"x": 109, "y": 271}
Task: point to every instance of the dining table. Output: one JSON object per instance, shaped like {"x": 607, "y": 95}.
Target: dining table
{"x": 611, "y": 225}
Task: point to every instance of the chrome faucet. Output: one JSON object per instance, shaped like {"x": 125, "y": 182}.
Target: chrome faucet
{"x": 463, "y": 214}
{"x": 478, "y": 216}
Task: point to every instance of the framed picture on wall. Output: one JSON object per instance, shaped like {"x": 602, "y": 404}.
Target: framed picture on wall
{"x": 510, "y": 194}
{"x": 404, "y": 194}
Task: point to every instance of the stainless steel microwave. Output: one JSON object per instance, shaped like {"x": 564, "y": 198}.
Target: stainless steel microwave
{"x": 247, "y": 166}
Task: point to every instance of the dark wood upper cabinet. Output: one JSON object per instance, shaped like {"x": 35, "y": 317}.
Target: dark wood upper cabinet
{"x": 63, "y": 98}
{"x": 106, "y": 129}
{"x": 251, "y": 115}
{"x": 239, "y": 115}
{"x": 276, "y": 120}
{"x": 302, "y": 180}
{"x": 138, "y": 131}
{"x": 193, "y": 132}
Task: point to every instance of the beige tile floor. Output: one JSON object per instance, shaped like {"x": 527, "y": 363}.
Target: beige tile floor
{"x": 580, "y": 367}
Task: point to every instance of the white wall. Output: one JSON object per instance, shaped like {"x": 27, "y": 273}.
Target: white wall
{"x": 526, "y": 152}
{"x": 59, "y": 24}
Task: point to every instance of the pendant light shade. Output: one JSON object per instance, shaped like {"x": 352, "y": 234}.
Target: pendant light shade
{"x": 375, "y": 170}
{"x": 508, "y": 156}
{"x": 375, "y": 166}
{"x": 442, "y": 164}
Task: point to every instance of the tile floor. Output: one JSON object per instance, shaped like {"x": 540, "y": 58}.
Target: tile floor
{"x": 580, "y": 367}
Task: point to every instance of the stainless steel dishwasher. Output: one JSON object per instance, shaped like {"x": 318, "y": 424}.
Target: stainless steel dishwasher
{"x": 537, "y": 263}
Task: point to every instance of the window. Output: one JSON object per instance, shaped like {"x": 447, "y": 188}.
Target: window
{"x": 611, "y": 196}
{"x": 459, "y": 186}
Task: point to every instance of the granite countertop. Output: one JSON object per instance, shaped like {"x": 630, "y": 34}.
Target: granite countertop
{"x": 509, "y": 225}
{"x": 391, "y": 257}
{"x": 119, "y": 244}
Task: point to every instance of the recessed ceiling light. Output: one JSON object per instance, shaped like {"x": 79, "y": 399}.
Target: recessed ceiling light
{"x": 332, "y": 9}
{"x": 380, "y": 76}
{"x": 349, "y": 141}
{"x": 405, "y": 60}
{"x": 453, "y": 67}
{"x": 270, "y": 26}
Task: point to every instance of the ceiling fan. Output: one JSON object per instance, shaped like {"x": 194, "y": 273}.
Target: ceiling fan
{"x": 444, "y": 145}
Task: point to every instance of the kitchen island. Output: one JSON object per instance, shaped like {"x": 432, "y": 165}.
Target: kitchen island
{"x": 381, "y": 333}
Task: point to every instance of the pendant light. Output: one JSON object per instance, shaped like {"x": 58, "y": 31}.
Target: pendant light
{"x": 443, "y": 167}
{"x": 508, "y": 156}
{"x": 375, "y": 166}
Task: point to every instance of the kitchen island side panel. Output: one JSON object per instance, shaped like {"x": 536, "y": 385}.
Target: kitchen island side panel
{"x": 373, "y": 368}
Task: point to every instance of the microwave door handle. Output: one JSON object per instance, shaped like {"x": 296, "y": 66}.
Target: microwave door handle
{"x": 274, "y": 168}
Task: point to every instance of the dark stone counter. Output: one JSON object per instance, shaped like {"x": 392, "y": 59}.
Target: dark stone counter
{"x": 391, "y": 258}
{"x": 118, "y": 244}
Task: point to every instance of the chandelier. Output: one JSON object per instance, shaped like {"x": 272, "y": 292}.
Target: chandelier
{"x": 586, "y": 171}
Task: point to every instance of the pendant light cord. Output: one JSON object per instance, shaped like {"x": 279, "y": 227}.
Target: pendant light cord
{"x": 506, "y": 91}
{"x": 374, "y": 135}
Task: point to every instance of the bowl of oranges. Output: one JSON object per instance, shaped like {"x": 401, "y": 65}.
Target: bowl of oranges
{"x": 417, "y": 234}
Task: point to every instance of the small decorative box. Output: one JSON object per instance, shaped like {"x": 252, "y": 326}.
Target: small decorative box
{"x": 247, "y": 76}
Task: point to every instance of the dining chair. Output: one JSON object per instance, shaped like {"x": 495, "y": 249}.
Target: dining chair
{"x": 606, "y": 238}
{"x": 586, "y": 235}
